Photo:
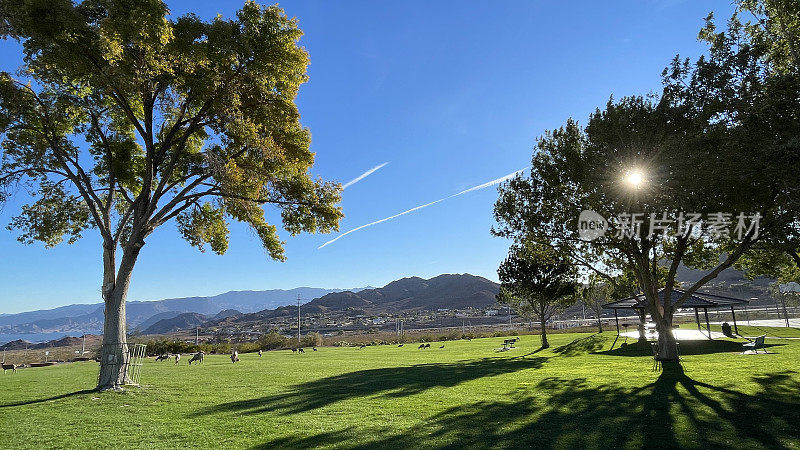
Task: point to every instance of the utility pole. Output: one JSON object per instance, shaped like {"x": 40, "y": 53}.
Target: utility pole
{"x": 83, "y": 345}
{"x": 298, "y": 320}
{"x": 197, "y": 336}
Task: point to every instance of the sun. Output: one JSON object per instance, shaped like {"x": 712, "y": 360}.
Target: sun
{"x": 635, "y": 178}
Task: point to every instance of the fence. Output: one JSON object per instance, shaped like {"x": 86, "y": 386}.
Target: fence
{"x": 129, "y": 356}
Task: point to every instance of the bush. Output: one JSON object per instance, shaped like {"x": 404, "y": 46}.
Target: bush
{"x": 272, "y": 341}
{"x": 312, "y": 339}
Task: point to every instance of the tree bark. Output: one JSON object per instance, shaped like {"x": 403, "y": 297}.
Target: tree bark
{"x": 667, "y": 345}
{"x": 640, "y": 326}
{"x": 545, "y": 344}
{"x": 599, "y": 324}
{"x": 114, "y": 353}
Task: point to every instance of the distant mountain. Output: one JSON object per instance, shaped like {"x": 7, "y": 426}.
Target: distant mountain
{"x": 153, "y": 319}
{"x": 451, "y": 291}
{"x": 227, "y": 313}
{"x": 144, "y": 314}
{"x": 179, "y": 322}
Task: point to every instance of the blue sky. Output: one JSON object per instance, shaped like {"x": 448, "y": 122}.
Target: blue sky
{"x": 452, "y": 94}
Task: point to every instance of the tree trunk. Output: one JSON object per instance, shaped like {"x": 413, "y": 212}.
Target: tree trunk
{"x": 640, "y": 325}
{"x": 114, "y": 353}
{"x": 545, "y": 344}
{"x": 599, "y": 324}
{"x": 667, "y": 345}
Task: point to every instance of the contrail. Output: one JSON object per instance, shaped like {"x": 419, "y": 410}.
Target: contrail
{"x": 474, "y": 188}
{"x": 362, "y": 176}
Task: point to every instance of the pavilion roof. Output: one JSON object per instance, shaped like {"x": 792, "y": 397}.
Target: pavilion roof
{"x": 696, "y": 300}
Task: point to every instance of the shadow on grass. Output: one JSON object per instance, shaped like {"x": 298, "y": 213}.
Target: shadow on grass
{"x": 390, "y": 382}
{"x": 580, "y": 346}
{"x": 674, "y": 411}
{"x": 700, "y": 347}
{"x": 42, "y": 400}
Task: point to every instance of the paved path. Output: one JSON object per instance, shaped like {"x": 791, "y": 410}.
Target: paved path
{"x": 680, "y": 334}
{"x": 794, "y": 323}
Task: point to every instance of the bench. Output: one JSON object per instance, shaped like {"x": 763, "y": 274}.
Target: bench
{"x": 755, "y": 345}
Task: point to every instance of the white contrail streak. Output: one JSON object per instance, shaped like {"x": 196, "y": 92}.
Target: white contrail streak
{"x": 474, "y": 188}
{"x": 362, "y": 176}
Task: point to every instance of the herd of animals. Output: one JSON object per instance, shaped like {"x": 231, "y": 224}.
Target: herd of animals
{"x": 199, "y": 356}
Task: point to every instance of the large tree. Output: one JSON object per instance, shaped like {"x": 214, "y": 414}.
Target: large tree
{"x": 123, "y": 118}
{"x": 721, "y": 143}
{"x": 536, "y": 282}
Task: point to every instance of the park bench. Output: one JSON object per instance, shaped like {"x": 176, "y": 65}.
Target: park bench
{"x": 755, "y": 345}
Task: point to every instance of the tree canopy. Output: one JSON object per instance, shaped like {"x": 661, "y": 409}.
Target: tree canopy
{"x": 180, "y": 118}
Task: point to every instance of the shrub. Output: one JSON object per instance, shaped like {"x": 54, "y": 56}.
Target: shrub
{"x": 312, "y": 339}
{"x": 272, "y": 341}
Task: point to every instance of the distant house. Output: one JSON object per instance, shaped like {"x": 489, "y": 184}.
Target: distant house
{"x": 491, "y": 312}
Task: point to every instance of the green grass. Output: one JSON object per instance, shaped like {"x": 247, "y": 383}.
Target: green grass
{"x": 574, "y": 395}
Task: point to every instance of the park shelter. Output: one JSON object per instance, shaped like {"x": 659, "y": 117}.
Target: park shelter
{"x": 696, "y": 301}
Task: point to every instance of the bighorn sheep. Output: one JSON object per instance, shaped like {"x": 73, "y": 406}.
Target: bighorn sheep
{"x": 197, "y": 357}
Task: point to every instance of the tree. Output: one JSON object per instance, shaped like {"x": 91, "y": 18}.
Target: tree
{"x": 183, "y": 119}
{"x": 536, "y": 283}
{"x": 720, "y": 141}
{"x": 594, "y": 295}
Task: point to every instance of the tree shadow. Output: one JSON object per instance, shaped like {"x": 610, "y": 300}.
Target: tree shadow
{"x": 674, "y": 411}
{"x": 699, "y": 347}
{"x": 42, "y": 400}
{"x": 580, "y": 346}
{"x": 391, "y": 382}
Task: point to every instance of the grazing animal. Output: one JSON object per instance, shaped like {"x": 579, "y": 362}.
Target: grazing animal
{"x": 421, "y": 346}
{"x": 197, "y": 357}
{"x": 259, "y": 353}
{"x": 362, "y": 346}
{"x": 427, "y": 345}
{"x": 177, "y": 357}
{"x": 294, "y": 349}
{"x": 442, "y": 346}
{"x": 163, "y": 357}
{"x": 11, "y": 367}
{"x": 234, "y": 356}
{"x": 314, "y": 348}
{"x": 400, "y": 345}
{"x": 300, "y": 350}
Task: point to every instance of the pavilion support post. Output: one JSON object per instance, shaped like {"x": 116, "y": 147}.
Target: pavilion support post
{"x": 616, "y": 319}
{"x": 697, "y": 318}
{"x": 708, "y": 325}
{"x": 735, "y": 327}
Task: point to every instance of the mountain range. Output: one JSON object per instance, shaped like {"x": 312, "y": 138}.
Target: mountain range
{"x": 448, "y": 291}
{"x": 88, "y": 318}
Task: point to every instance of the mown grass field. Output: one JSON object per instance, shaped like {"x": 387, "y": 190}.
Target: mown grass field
{"x": 574, "y": 395}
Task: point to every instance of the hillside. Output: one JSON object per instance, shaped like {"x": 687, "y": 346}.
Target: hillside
{"x": 179, "y": 322}
{"x": 407, "y": 295}
{"x": 143, "y": 314}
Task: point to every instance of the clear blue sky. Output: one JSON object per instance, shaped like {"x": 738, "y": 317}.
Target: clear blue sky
{"x": 451, "y": 93}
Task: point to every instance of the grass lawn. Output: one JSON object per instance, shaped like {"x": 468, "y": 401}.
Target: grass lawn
{"x": 575, "y": 395}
